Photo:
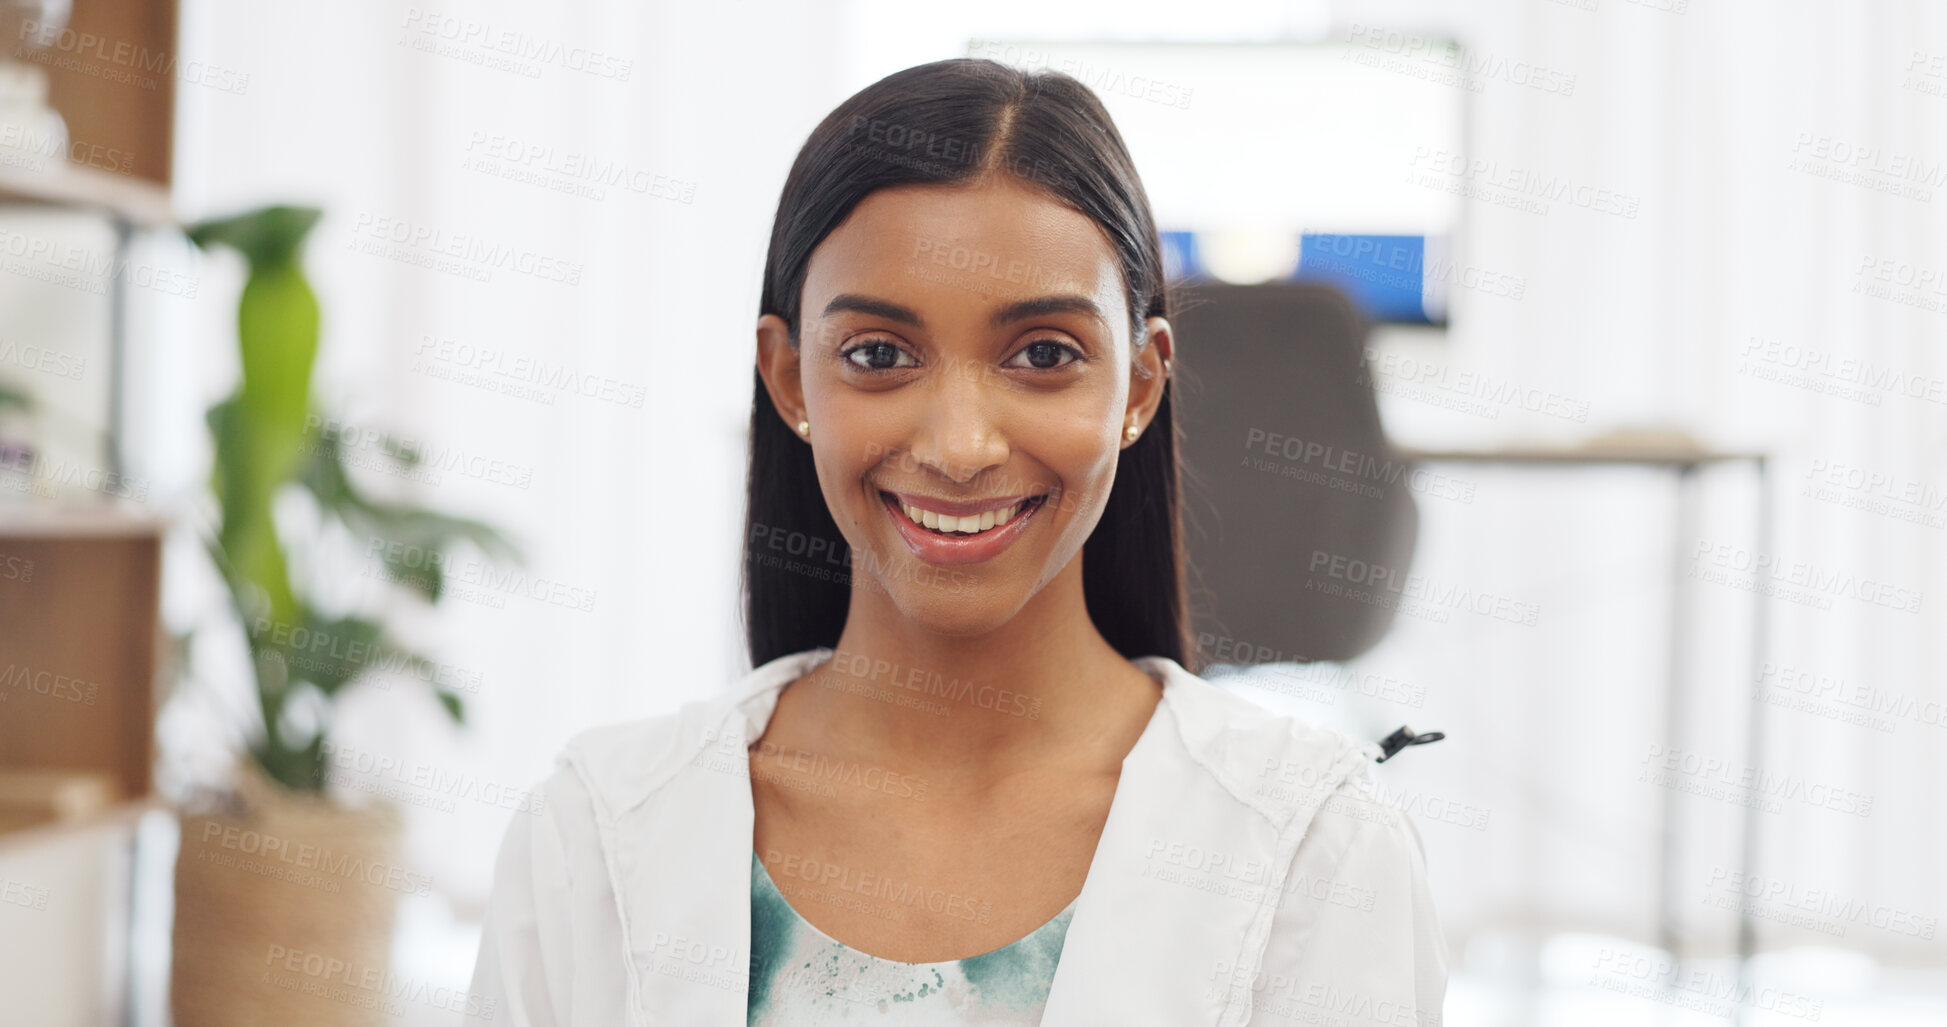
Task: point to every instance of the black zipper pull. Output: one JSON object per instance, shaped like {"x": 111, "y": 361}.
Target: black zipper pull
{"x": 1404, "y": 737}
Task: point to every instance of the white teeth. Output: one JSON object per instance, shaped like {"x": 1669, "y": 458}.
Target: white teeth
{"x": 969, "y": 525}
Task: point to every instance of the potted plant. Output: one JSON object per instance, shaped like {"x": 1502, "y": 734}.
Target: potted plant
{"x": 280, "y": 866}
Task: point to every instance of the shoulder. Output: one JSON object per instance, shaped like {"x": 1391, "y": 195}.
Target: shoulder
{"x": 1280, "y": 765}
{"x": 1355, "y": 936}
{"x": 604, "y": 772}
{"x": 620, "y": 766}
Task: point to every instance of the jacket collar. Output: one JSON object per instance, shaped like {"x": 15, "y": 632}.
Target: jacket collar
{"x": 684, "y": 898}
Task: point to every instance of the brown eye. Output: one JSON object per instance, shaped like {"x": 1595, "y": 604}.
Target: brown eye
{"x": 1043, "y": 354}
{"x": 881, "y": 355}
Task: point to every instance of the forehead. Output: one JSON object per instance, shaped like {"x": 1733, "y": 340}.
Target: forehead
{"x": 966, "y": 247}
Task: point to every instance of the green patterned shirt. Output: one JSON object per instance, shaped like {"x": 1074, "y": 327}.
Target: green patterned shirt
{"x": 801, "y": 977}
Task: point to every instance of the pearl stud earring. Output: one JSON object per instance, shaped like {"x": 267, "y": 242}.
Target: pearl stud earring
{"x": 1131, "y": 432}
{"x": 804, "y": 428}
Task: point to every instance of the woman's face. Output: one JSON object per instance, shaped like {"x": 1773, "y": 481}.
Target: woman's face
{"x": 966, "y": 351}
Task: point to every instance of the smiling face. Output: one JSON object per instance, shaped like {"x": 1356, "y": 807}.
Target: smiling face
{"x": 965, "y": 353}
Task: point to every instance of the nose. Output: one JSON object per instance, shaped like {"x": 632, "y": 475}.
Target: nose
{"x": 959, "y": 433}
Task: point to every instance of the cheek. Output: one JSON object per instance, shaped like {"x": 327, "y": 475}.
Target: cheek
{"x": 847, "y": 448}
{"x": 1083, "y": 454}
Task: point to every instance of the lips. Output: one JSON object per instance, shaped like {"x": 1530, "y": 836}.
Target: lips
{"x": 991, "y": 526}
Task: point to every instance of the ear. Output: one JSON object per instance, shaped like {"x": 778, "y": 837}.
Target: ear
{"x": 1146, "y": 379}
{"x": 778, "y": 365}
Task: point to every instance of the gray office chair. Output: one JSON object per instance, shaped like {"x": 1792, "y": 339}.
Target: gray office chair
{"x": 1292, "y": 494}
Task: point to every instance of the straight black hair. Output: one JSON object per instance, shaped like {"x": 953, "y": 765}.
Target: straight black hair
{"x": 953, "y": 121}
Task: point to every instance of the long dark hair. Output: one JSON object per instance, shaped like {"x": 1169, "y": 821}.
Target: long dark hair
{"x": 950, "y": 121}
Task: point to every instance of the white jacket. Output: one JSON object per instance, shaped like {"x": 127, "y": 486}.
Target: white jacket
{"x": 1246, "y": 876}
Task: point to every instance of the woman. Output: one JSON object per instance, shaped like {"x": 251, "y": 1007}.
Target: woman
{"x": 970, "y": 779}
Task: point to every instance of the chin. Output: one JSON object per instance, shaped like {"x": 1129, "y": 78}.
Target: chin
{"x": 966, "y": 607}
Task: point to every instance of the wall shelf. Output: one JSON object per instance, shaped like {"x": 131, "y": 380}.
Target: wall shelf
{"x": 135, "y": 201}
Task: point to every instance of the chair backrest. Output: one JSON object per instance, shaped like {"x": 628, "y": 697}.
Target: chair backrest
{"x": 1300, "y": 526}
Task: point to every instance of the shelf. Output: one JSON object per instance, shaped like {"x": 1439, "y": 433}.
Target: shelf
{"x": 67, "y": 520}
{"x": 135, "y": 200}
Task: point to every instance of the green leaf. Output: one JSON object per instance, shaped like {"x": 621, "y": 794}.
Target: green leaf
{"x": 453, "y": 707}
{"x": 332, "y": 653}
{"x": 12, "y": 397}
{"x": 265, "y": 236}
{"x": 403, "y": 535}
{"x": 259, "y": 431}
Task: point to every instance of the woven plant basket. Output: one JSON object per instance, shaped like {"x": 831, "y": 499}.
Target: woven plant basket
{"x": 284, "y": 912}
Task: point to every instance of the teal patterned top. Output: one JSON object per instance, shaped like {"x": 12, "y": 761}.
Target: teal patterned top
{"x": 801, "y": 977}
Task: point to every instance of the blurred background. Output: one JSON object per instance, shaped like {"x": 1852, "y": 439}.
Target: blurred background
{"x": 1564, "y": 375}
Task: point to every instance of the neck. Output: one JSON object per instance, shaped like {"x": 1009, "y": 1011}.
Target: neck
{"x": 1043, "y": 688}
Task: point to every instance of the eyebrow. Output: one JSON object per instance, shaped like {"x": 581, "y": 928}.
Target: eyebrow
{"x": 1038, "y": 307}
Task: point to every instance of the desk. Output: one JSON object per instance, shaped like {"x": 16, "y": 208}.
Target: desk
{"x": 1684, "y": 461}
